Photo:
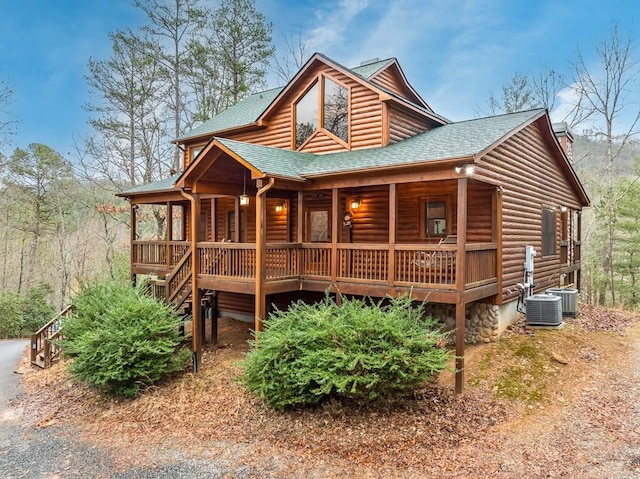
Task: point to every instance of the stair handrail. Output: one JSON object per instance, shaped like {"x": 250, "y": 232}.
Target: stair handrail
{"x": 41, "y": 340}
{"x": 182, "y": 267}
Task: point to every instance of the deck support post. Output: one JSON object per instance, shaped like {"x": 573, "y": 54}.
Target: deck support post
{"x": 169, "y": 236}
{"x": 461, "y": 256}
{"x": 134, "y": 233}
{"x": 196, "y": 308}
{"x": 261, "y": 244}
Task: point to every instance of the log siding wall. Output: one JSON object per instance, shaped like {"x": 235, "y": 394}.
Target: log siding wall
{"x": 405, "y": 124}
{"x": 531, "y": 180}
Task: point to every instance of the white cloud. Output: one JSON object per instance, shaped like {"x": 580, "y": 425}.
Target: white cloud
{"x": 333, "y": 22}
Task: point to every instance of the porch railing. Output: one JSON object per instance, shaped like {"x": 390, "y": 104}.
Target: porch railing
{"x": 409, "y": 265}
{"x": 158, "y": 253}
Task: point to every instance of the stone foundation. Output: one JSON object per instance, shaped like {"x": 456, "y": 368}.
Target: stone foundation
{"x": 482, "y": 320}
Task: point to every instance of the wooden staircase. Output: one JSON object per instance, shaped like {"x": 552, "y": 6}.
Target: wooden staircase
{"x": 43, "y": 347}
{"x": 176, "y": 289}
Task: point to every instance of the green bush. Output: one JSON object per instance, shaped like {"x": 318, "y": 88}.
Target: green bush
{"x": 21, "y": 315}
{"x": 36, "y": 311}
{"x": 122, "y": 339}
{"x": 309, "y": 353}
{"x": 10, "y": 315}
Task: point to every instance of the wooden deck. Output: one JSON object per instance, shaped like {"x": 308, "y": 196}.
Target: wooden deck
{"x": 369, "y": 269}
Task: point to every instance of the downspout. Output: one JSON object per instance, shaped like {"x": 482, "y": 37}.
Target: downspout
{"x": 195, "y": 313}
{"x": 260, "y": 306}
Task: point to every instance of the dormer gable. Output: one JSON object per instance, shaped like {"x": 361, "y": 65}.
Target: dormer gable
{"x": 387, "y": 74}
{"x": 324, "y": 108}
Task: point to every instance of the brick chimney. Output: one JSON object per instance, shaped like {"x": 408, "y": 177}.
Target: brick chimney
{"x": 565, "y": 137}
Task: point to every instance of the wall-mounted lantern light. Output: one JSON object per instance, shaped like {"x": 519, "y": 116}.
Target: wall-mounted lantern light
{"x": 281, "y": 206}
{"x": 356, "y": 203}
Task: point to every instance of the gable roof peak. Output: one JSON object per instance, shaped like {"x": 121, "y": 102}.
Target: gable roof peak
{"x": 369, "y": 61}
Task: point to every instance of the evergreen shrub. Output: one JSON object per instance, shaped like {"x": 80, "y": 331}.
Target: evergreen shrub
{"x": 359, "y": 350}
{"x": 121, "y": 339}
{"x": 21, "y": 315}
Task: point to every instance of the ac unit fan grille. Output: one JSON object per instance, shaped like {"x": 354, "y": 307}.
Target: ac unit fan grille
{"x": 544, "y": 310}
{"x": 569, "y": 299}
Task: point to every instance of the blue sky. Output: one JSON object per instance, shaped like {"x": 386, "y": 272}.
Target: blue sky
{"x": 453, "y": 52}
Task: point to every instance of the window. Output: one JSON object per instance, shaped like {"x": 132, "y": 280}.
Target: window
{"x": 548, "y": 231}
{"x": 231, "y": 226}
{"x": 335, "y": 113}
{"x": 307, "y": 115}
{"x": 177, "y": 223}
{"x": 328, "y": 110}
{"x": 434, "y": 217}
{"x": 194, "y": 151}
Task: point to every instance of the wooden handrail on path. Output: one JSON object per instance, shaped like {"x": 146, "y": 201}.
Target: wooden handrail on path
{"x": 43, "y": 348}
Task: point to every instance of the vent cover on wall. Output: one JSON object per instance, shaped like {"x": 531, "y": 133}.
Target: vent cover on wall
{"x": 544, "y": 310}
{"x": 569, "y": 299}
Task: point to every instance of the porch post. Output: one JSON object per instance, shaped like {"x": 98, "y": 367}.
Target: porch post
{"x": 196, "y": 308}
{"x": 236, "y": 218}
{"x": 132, "y": 255}
{"x": 261, "y": 245}
{"x": 300, "y": 225}
{"x": 461, "y": 257}
{"x": 214, "y": 214}
{"x": 300, "y": 234}
{"x": 169, "y": 220}
{"x": 393, "y": 206}
{"x": 335, "y": 215}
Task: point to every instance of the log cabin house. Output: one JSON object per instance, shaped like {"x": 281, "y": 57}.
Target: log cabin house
{"x": 345, "y": 179}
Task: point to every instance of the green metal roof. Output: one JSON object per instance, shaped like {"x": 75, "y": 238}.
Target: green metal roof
{"x": 269, "y": 160}
{"x": 161, "y": 185}
{"x": 369, "y": 69}
{"x": 453, "y": 140}
{"x": 242, "y": 113}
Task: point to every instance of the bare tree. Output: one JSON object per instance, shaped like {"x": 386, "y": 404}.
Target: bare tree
{"x": 522, "y": 92}
{"x": 171, "y": 34}
{"x": 603, "y": 95}
{"x": 127, "y": 97}
{"x": 296, "y": 53}
{"x": 6, "y": 122}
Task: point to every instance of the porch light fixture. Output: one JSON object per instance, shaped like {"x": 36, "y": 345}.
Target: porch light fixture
{"x": 563, "y": 209}
{"x": 466, "y": 169}
{"x": 356, "y": 203}
{"x": 280, "y": 207}
{"x": 244, "y": 198}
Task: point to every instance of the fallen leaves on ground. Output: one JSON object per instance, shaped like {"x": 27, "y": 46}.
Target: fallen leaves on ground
{"x": 434, "y": 433}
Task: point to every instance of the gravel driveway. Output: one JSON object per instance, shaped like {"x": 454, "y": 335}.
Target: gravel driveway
{"x": 28, "y": 451}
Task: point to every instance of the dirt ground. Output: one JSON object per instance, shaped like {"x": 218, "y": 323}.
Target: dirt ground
{"x": 537, "y": 404}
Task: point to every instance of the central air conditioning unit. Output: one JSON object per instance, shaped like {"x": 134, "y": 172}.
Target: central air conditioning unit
{"x": 544, "y": 310}
{"x": 569, "y": 300}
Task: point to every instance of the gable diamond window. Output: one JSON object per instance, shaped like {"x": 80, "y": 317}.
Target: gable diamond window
{"x": 307, "y": 115}
{"x": 336, "y": 109}
{"x": 324, "y": 106}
